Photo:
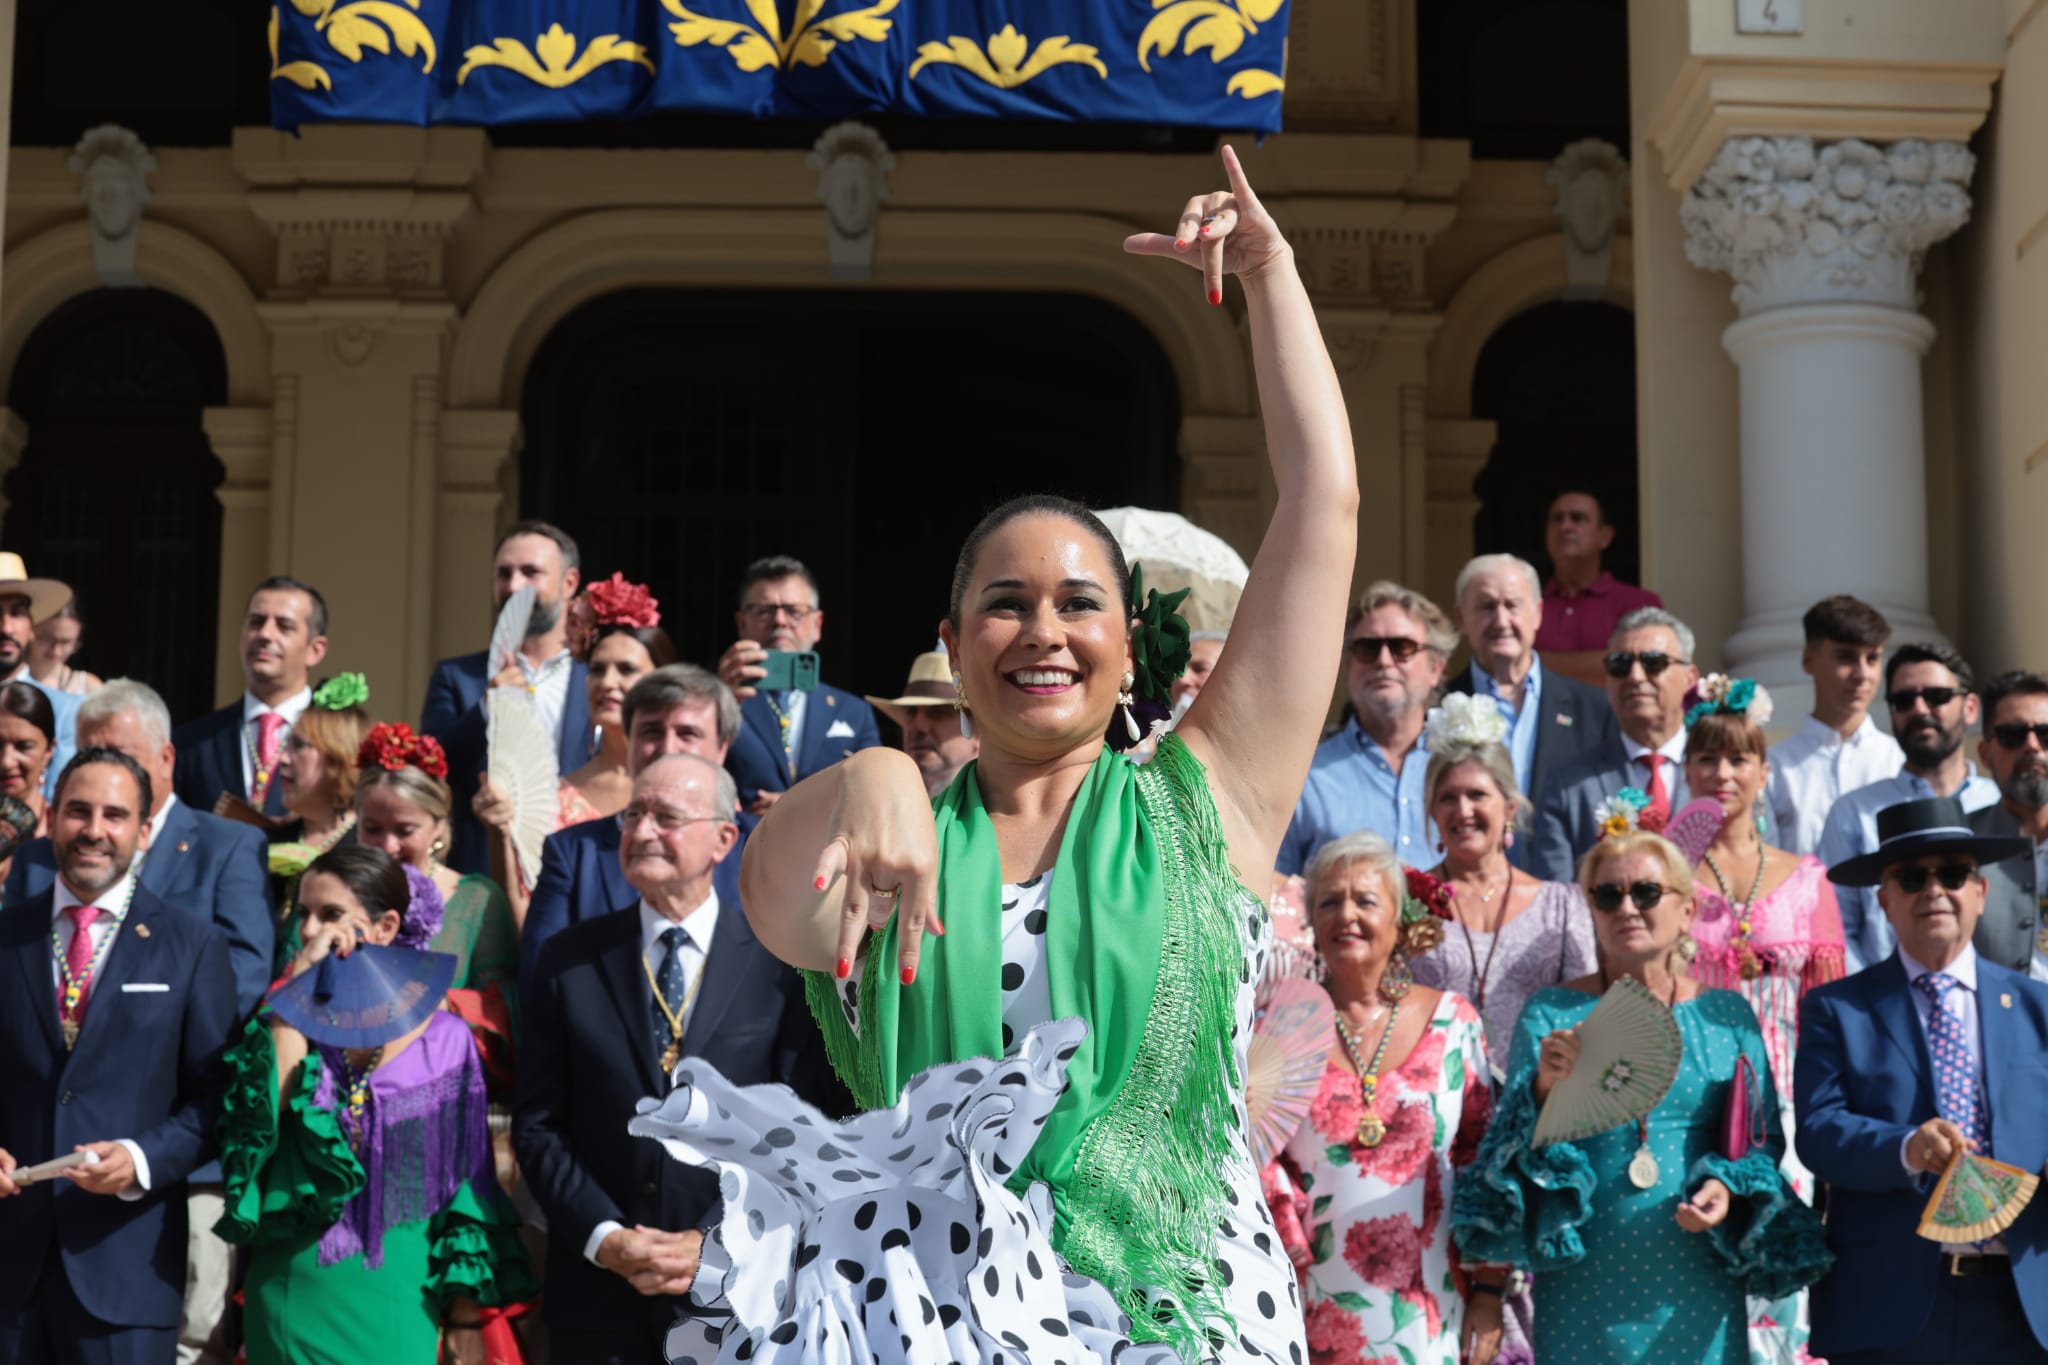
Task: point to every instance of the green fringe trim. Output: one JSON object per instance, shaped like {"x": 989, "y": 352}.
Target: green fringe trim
{"x": 859, "y": 1067}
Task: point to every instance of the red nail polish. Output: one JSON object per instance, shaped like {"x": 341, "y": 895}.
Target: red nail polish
{"x": 1180, "y": 241}
{"x": 819, "y": 884}
{"x": 909, "y": 975}
{"x": 843, "y": 970}
{"x": 1205, "y": 229}
{"x": 1215, "y": 296}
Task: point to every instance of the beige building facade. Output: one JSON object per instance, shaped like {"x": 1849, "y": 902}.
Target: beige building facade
{"x": 1833, "y": 384}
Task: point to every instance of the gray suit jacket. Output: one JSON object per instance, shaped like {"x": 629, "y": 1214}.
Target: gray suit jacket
{"x": 2012, "y": 906}
{"x": 1565, "y": 825}
{"x": 1574, "y": 719}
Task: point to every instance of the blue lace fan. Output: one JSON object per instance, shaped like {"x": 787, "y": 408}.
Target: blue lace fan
{"x": 366, "y": 999}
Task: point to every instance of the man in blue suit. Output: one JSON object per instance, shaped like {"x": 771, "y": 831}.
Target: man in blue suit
{"x": 1899, "y": 1067}
{"x": 110, "y": 1041}
{"x": 234, "y": 751}
{"x": 680, "y": 709}
{"x": 209, "y": 870}
{"x": 785, "y": 736}
{"x": 543, "y": 557}
{"x": 615, "y": 1002}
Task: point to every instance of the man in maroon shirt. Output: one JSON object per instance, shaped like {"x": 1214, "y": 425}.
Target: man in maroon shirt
{"x": 1582, "y": 601}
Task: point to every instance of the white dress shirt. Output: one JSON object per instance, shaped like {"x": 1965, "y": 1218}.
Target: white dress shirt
{"x": 1960, "y": 1005}
{"x": 1812, "y": 768}
{"x": 104, "y": 933}
{"x": 698, "y": 927}
{"x": 547, "y": 683}
{"x": 291, "y": 708}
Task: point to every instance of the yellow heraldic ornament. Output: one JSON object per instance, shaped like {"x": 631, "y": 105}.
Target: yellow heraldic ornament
{"x": 762, "y": 46}
{"x": 552, "y": 61}
{"x": 374, "y": 24}
{"x": 304, "y": 75}
{"x": 1192, "y": 25}
{"x": 1004, "y": 64}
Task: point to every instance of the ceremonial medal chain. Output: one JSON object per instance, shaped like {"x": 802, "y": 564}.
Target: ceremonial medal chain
{"x": 673, "y": 1053}
{"x": 1372, "y": 1129}
{"x": 782, "y": 719}
{"x": 72, "y": 991}
{"x": 259, "y": 776}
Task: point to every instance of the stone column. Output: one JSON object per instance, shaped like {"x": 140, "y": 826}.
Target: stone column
{"x": 1825, "y": 247}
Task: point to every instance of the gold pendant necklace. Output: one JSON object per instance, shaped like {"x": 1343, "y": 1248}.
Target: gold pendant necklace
{"x": 1372, "y": 1129}
{"x": 673, "y": 1053}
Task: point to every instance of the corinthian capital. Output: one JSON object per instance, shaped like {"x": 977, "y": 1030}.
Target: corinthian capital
{"x": 1847, "y": 223}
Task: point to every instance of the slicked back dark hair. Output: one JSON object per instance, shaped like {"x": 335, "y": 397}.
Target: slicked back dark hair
{"x": 1930, "y": 652}
{"x": 572, "y": 558}
{"x": 25, "y": 701}
{"x": 1037, "y": 504}
{"x": 316, "y": 619}
{"x": 375, "y": 878}
{"x": 1846, "y": 620}
{"x": 100, "y": 753}
{"x": 2018, "y": 683}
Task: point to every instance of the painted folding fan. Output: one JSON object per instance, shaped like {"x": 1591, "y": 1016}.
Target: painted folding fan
{"x": 1976, "y": 1199}
{"x": 1292, "y": 1034}
{"x": 1629, "y": 1051}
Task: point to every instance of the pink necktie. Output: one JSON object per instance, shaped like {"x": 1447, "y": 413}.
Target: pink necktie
{"x": 1660, "y": 795}
{"x": 269, "y": 726}
{"x": 78, "y": 960}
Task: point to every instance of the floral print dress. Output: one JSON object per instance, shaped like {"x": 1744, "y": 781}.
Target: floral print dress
{"x": 1366, "y": 1226}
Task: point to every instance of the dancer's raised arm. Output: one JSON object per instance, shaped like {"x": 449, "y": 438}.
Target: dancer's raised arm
{"x": 1258, "y": 717}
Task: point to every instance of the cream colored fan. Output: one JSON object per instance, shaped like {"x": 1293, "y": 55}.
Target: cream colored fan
{"x": 521, "y": 765}
{"x": 1292, "y": 1034}
{"x": 1629, "y": 1051}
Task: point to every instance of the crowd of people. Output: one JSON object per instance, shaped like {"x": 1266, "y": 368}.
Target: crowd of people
{"x": 700, "y": 1082}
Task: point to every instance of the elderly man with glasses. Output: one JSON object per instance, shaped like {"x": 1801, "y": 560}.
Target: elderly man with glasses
{"x": 786, "y": 734}
{"x": 1933, "y": 1051}
{"x": 1369, "y": 775}
{"x": 1649, "y": 669}
{"x": 1928, "y": 689}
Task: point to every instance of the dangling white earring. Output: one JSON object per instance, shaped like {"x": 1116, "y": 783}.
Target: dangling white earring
{"x": 960, "y": 708}
{"x": 1123, "y": 699}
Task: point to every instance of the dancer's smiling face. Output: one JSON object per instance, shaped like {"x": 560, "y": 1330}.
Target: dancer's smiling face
{"x": 1043, "y": 643}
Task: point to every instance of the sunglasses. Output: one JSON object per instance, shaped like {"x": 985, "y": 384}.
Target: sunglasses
{"x": 1913, "y": 879}
{"x": 1654, "y": 661}
{"x": 1935, "y": 697}
{"x": 2013, "y": 734}
{"x": 1606, "y": 897}
{"x": 1366, "y": 648}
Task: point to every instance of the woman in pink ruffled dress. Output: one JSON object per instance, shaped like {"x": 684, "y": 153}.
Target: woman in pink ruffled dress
{"x": 1768, "y": 927}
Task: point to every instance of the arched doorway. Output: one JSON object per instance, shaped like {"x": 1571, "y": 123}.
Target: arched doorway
{"x": 1560, "y": 382}
{"x": 678, "y": 434}
{"x": 115, "y": 492}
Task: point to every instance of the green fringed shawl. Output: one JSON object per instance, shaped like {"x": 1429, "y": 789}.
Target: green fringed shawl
{"x": 1141, "y": 944}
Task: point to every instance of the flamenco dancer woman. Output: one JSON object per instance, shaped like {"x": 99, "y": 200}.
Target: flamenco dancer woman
{"x": 1063, "y": 909}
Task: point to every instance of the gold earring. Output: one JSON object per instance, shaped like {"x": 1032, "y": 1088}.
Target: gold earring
{"x": 960, "y": 707}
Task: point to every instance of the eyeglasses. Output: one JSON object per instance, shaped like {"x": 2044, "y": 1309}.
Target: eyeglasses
{"x": 1912, "y": 877}
{"x": 1654, "y": 661}
{"x": 1366, "y": 648}
{"x": 667, "y": 821}
{"x": 768, "y": 611}
{"x": 2013, "y": 735}
{"x": 1935, "y": 697}
{"x": 1606, "y": 897}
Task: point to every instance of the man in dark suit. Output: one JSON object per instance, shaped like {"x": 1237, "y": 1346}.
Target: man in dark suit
{"x": 235, "y": 750}
{"x": 785, "y": 736}
{"x": 1649, "y": 670}
{"x": 2014, "y": 751}
{"x": 543, "y": 557}
{"x": 1551, "y": 718}
{"x": 675, "y": 972}
{"x": 680, "y": 709}
{"x": 208, "y": 870}
{"x": 1900, "y": 1065}
{"x": 111, "y": 1042}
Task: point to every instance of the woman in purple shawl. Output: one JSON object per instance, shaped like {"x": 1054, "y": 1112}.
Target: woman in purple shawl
{"x": 362, "y": 1180}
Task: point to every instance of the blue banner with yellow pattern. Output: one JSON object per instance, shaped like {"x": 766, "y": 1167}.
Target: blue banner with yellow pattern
{"x": 1196, "y": 63}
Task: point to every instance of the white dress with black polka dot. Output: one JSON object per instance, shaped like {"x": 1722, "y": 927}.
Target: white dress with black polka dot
{"x": 891, "y": 1238}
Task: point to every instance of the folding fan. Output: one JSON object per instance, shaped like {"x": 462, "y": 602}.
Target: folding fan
{"x": 522, "y": 767}
{"x": 366, "y": 999}
{"x": 1693, "y": 828}
{"x": 510, "y": 632}
{"x": 1291, "y": 1038}
{"x": 1629, "y": 1051}
{"x": 1976, "y": 1199}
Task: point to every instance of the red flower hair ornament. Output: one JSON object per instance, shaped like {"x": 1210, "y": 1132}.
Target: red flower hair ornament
{"x": 1423, "y": 910}
{"x": 610, "y": 602}
{"x": 393, "y": 745}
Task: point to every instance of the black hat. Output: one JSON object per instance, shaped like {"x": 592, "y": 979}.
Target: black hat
{"x": 1913, "y": 829}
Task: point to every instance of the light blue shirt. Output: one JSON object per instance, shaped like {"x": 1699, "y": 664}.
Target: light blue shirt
{"x": 1352, "y": 787}
{"x": 1851, "y": 831}
{"x": 1522, "y": 721}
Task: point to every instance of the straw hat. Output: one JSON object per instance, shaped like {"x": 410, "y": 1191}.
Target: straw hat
{"x": 46, "y": 596}
{"x": 931, "y": 684}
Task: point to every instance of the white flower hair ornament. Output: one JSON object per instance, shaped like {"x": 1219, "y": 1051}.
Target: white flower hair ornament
{"x": 1464, "y": 721}
{"x": 1717, "y": 692}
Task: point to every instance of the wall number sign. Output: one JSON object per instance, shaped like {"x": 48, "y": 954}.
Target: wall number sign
{"x": 1769, "y": 16}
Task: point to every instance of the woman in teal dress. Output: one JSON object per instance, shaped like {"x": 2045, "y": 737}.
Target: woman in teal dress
{"x": 361, "y": 1181}
{"x": 1644, "y": 1238}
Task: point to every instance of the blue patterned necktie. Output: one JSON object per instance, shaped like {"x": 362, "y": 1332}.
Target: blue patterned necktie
{"x": 1955, "y": 1074}
{"x": 668, "y": 979}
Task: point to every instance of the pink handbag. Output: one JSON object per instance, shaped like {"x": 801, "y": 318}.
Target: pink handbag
{"x": 1741, "y": 1122}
